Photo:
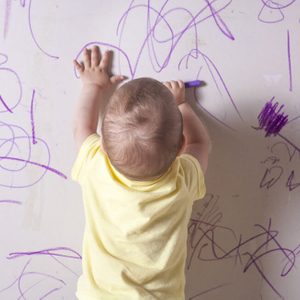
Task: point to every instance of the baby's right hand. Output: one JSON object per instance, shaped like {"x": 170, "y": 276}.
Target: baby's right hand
{"x": 177, "y": 88}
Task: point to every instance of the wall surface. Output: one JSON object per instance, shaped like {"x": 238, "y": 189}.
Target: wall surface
{"x": 244, "y": 236}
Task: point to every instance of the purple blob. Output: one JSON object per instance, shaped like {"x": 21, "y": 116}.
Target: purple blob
{"x": 271, "y": 119}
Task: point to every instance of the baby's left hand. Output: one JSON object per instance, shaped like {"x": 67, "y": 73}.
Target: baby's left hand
{"x": 94, "y": 70}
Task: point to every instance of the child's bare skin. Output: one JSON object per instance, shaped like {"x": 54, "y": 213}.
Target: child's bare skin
{"x": 138, "y": 194}
{"x": 197, "y": 141}
{"x": 97, "y": 87}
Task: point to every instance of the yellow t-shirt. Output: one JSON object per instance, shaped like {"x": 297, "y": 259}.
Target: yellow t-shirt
{"x": 134, "y": 244}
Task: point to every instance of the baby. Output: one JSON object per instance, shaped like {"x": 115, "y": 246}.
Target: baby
{"x": 139, "y": 180}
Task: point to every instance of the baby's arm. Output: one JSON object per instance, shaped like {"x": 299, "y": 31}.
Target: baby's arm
{"x": 96, "y": 89}
{"x": 197, "y": 139}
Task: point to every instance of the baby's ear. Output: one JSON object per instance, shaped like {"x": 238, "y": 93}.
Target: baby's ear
{"x": 183, "y": 144}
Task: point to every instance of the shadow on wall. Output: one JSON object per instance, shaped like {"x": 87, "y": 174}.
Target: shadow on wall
{"x": 234, "y": 249}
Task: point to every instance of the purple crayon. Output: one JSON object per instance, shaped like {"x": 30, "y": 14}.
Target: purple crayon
{"x": 194, "y": 83}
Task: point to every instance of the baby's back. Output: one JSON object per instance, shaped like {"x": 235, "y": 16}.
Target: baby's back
{"x": 135, "y": 236}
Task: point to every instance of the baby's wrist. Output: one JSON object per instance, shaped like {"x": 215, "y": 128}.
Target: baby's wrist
{"x": 95, "y": 86}
{"x": 179, "y": 102}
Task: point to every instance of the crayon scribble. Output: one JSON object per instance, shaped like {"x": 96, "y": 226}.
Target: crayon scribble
{"x": 152, "y": 44}
{"x": 205, "y": 245}
{"x": 273, "y": 11}
{"x": 201, "y": 293}
{"x": 29, "y": 20}
{"x": 7, "y": 17}
{"x": 5, "y": 105}
{"x": 3, "y": 58}
{"x": 271, "y": 119}
{"x": 11, "y": 202}
{"x": 42, "y": 282}
{"x": 33, "y": 35}
{"x": 16, "y": 149}
{"x": 32, "y": 120}
{"x": 10, "y": 152}
{"x": 280, "y": 167}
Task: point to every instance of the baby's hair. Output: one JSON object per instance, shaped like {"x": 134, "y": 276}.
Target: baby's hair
{"x": 142, "y": 129}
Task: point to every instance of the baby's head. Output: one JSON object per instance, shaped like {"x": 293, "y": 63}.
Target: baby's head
{"x": 142, "y": 129}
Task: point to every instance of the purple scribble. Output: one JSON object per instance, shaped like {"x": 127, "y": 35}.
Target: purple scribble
{"x": 175, "y": 37}
{"x": 271, "y": 119}
{"x": 150, "y": 37}
{"x": 275, "y": 11}
{"x": 289, "y": 142}
{"x": 35, "y": 164}
{"x": 69, "y": 253}
{"x": 289, "y": 61}
{"x": 290, "y": 183}
{"x": 50, "y": 292}
{"x": 18, "y": 87}
{"x": 151, "y": 42}
{"x": 23, "y": 286}
{"x": 132, "y": 72}
{"x": 276, "y": 5}
{"x": 271, "y": 176}
{"x": 34, "y": 275}
{"x": 31, "y": 118}
{"x": 23, "y": 4}
{"x": 217, "y": 78}
{"x": 219, "y": 21}
{"x": 206, "y": 245}
{"x": 11, "y": 202}
{"x": 208, "y": 291}
{"x": 5, "y": 105}
{"x": 12, "y": 153}
{"x": 293, "y": 119}
{"x": 4, "y": 57}
{"x": 7, "y": 16}
{"x": 276, "y": 170}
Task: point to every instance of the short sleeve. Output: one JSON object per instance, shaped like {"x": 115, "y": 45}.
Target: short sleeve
{"x": 88, "y": 149}
{"x": 194, "y": 176}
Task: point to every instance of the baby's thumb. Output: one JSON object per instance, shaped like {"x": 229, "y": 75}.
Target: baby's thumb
{"x": 116, "y": 79}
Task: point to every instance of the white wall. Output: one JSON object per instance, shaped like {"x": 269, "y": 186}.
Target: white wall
{"x": 244, "y": 236}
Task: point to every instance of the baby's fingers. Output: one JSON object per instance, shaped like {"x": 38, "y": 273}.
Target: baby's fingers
{"x": 95, "y": 56}
{"x": 79, "y": 67}
{"x": 106, "y": 61}
{"x": 167, "y": 84}
{"x": 181, "y": 84}
{"x": 87, "y": 58}
{"x": 116, "y": 79}
{"x": 174, "y": 84}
